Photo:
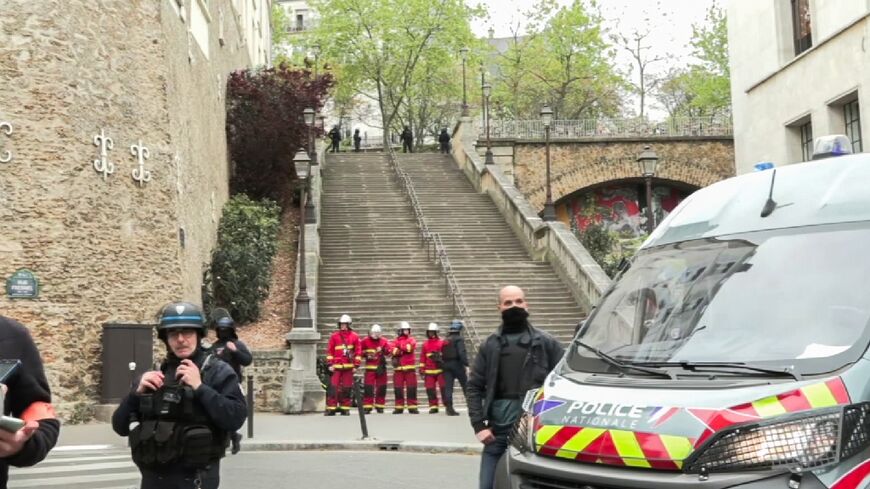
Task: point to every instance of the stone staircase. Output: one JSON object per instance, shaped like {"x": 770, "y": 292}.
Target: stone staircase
{"x": 373, "y": 266}
{"x": 484, "y": 252}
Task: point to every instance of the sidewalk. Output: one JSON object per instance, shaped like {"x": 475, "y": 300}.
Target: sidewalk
{"x": 275, "y": 432}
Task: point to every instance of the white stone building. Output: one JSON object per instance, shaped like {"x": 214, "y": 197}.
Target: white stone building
{"x": 800, "y": 69}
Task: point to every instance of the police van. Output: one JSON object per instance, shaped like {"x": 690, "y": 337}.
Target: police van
{"x": 732, "y": 352}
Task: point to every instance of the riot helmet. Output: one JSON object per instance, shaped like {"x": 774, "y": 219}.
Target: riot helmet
{"x": 180, "y": 315}
{"x": 456, "y": 326}
{"x": 224, "y": 325}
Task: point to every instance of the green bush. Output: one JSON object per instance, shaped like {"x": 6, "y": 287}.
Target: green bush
{"x": 241, "y": 263}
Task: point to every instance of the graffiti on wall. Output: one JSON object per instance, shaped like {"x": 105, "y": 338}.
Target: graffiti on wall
{"x": 619, "y": 210}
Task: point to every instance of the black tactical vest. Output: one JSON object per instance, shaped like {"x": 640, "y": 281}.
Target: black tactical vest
{"x": 173, "y": 429}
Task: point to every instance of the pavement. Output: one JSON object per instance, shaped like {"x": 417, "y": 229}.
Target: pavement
{"x": 422, "y": 433}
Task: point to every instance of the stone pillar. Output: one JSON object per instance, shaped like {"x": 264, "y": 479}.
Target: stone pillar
{"x": 302, "y": 389}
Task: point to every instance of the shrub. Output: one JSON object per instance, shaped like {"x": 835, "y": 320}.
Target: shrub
{"x": 240, "y": 271}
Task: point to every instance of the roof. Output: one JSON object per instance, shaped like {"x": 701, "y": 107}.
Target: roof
{"x": 828, "y": 191}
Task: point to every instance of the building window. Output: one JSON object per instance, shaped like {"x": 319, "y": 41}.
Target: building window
{"x": 852, "y": 114}
{"x": 802, "y": 27}
{"x": 806, "y": 133}
{"x": 300, "y": 22}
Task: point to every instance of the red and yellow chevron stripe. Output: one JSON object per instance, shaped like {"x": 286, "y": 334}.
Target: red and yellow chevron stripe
{"x": 613, "y": 447}
{"x": 814, "y": 396}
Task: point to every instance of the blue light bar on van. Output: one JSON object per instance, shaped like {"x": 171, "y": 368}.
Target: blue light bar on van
{"x": 828, "y": 146}
{"x": 764, "y": 165}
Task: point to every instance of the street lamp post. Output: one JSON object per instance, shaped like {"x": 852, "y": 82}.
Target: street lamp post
{"x": 464, "y": 53}
{"x": 487, "y": 90}
{"x": 316, "y": 50}
{"x": 308, "y": 115}
{"x": 483, "y": 95}
{"x": 648, "y": 160}
{"x": 302, "y": 310}
{"x": 549, "y": 208}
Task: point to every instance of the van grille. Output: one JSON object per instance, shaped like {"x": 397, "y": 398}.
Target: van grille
{"x": 538, "y": 482}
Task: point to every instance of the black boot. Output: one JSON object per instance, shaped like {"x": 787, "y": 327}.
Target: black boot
{"x": 380, "y": 410}
{"x": 237, "y": 442}
{"x": 329, "y": 412}
{"x": 367, "y": 410}
{"x": 433, "y": 410}
{"x": 398, "y": 411}
{"x": 413, "y": 410}
{"x": 450, "y": 411}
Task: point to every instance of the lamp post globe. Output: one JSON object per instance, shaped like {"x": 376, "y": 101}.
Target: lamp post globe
{"x": 647, "y": 162}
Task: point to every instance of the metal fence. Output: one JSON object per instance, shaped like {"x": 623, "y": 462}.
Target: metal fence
{"x": 611, "y": 128}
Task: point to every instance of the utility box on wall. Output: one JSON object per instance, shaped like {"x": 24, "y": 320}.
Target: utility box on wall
{"x": 127, "y": 353}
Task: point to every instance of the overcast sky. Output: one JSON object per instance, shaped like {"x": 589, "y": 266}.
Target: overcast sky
{"x": 670, "y": 29}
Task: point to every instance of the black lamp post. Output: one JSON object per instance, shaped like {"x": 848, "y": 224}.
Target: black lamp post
{"x": 308, "y": 117}
{"x": 483, "y": 95}
{"x": 316, "y": 50}
{"x": 302, "y": 310}
{"x": 464, "y": 53}
{"x": 648, "y": 160}
{"x": 487, "y": 90}
{"x": 549, "y": 208}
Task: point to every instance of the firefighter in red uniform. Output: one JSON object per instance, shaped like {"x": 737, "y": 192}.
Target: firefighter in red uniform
{"x": 343, "y": 355}
{"x": 432, "y": 367}
{"x": 405, "y": 369}
{"x": 375, "y": 350}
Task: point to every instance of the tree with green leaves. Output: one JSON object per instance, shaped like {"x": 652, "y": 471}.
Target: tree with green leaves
{"x": 564, "y": 61}
{"x": 384, "y": 46}
{"x": 704, "y": 88}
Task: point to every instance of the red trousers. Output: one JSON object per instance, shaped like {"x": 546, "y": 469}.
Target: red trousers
{"x": 433, "y": 384}
{"x": 375, "y": 391}
{"x": 340, "y": 390}
{"x": 405, "y": 380}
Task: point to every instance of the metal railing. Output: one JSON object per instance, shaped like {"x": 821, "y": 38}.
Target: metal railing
{"x": 436, "y": 252}
{"x": 612, "y": 128}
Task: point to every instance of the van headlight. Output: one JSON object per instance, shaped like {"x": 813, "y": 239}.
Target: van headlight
{"x": 521, "y": 435}
{"x": 797, "y": 443}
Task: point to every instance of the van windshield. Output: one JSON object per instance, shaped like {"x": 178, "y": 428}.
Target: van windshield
{"x": 791, "y": 298}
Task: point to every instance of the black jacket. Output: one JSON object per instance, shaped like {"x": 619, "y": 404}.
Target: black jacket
{"x": 457, "y": 344}
{"x": 444, "y": 137}
{"x": 544, "y": 353}
{"x": 26, "y": 387}
{"x": 219, "y": 395}
{"x": 237, "y": 359}
{"x": 407, "y": 136}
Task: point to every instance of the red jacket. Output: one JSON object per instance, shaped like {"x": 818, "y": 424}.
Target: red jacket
{"x": 373, "y": 350}
{"x": 343, "y": 351}
{"x": 403, "y": 348}
{"x": 431, "y": 347}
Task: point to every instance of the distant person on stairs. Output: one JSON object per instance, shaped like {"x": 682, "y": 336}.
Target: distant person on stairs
{"x": 407, "y": 138}
{"x": 335, "y": 136}
{"x": 357, "y": 139}
{"x": 375, "y": 349}
{"x": 404, "y": 369}
{"x": 431, "y": 365}
{"x": 455, "y": 364}
{"x": 511, "y": 361}
{"x": 344, "y": 356}
{"x": 444, "y": 139}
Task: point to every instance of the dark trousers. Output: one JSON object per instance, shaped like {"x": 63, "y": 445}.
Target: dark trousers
{"x": 445, "y": 148}
{"x": 209, "y": 479}
{"x": 492, "y": 453}
{"x": 406, "y": 147}
{"x": 453, "y": 371}
{"x": 335, "y": 144}
{"x": 356, "y": 145}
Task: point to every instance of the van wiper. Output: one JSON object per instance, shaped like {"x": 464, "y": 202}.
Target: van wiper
{"x": 697, "y": 366}
{"x": 626, "y": 366}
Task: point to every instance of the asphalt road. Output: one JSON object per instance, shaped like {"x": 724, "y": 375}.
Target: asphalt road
{"x": 113, "y": 469}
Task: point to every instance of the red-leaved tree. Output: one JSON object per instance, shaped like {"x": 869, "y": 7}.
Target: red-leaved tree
{"x": 265, "y": 127}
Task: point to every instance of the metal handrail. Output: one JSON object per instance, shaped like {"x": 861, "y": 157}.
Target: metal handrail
{"x": 721, "y": 126}
{"x": 436, "y": 251}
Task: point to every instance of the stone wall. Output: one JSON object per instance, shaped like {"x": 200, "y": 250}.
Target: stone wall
{"x": 576, "y": 165}
{"x": 269, "y": 371}
{"x": 107, "y": 250}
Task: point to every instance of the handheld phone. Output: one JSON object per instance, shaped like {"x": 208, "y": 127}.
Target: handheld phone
{"x": 7, "y": 369}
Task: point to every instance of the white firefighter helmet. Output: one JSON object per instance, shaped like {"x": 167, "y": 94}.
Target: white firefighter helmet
{"x": 376, "y": 329}
{"x": 345, "y": 319}
{"x": 404, "y": 325}
{"x": 432, "y": 327}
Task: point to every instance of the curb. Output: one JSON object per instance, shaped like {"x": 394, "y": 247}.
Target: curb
{"x": 361, "y": 445}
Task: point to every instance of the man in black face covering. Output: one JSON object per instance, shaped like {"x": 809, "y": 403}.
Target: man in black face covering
{"x": 232, "y": 350}
{"x": 510, "y": 361}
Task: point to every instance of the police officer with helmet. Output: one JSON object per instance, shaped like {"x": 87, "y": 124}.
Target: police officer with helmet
{"x": 179, "y": 418}
{"x": 232, "y": 350}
